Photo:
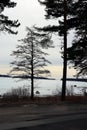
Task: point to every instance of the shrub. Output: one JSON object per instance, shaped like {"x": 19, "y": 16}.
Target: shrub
{"x": 19, "y": 92}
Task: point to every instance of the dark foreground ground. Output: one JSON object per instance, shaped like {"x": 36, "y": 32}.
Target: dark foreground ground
{"x": 59, "y": 116}
{"x": 78, "y": 124}
{"x": 43, "y": 113}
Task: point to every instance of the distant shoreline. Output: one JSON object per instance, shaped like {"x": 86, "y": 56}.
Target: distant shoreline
{"x": 43, "y": 78}
{"x": 24, "y": 77}
{"x": 77, "y": 79}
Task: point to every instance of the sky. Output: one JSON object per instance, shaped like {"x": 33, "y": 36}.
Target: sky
{"x": 30, "y": 13}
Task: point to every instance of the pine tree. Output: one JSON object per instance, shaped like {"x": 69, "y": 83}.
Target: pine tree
{"x": 30, "y": 59}
{"x": 76, "y": 18}
{"x": 77, "y": 53}
{"x": 6, "y": 24}
{"x": 59, "y": 10}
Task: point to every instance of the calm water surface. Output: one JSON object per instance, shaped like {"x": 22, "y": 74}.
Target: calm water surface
{"x": 45, "y": 87}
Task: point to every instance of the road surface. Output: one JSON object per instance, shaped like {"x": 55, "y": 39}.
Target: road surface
{"x": 78, "y": 124}
{"x": 44, "y": 117}
{"x": 61, "y": 122}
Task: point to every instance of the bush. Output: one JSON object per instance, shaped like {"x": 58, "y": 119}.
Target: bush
{"x": 16, "y": 93}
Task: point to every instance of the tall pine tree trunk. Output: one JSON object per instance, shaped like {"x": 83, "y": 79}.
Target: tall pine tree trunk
{"x": 32, "y": 73}
{"x": 65, "y": 53}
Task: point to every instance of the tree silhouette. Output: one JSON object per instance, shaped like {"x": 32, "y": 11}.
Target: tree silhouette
{"x": 30, "y": 59}
{"x": 77, "y": 53}
{"x": 71, "y": 14}
{"x": 59, "y": 10}
{"x": 5, "y": 23}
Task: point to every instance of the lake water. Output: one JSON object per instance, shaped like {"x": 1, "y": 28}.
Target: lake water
{"x": 45, "y": 87}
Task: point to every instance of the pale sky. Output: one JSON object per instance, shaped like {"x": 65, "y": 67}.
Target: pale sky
{"x": 29, "y": 13}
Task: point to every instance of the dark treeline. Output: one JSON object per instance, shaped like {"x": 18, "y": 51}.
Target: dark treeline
{"x": 25, "y": 76}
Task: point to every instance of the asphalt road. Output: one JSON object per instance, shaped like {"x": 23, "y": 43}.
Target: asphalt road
{"x": 63, "y": 122}
{"x": 44, "y": 117}
{"x": 78, "y": 124}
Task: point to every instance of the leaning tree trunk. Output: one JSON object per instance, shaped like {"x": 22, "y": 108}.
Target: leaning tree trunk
{"x": 65, "y": 53}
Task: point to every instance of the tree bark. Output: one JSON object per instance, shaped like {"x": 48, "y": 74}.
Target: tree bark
{"x": 65, "y": 53}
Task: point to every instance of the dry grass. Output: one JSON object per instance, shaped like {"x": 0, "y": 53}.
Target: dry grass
{"x": 76, "y": 98}
{"x": 27, "y": 100}
{"x": 15, "y": 101}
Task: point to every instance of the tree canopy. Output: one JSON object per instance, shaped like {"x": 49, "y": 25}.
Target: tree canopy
{"x": 77, "y": 53}
{"x": 5, "y": 23}
{"x": 76, "y": 15}
{"x": 55, "y": 10}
